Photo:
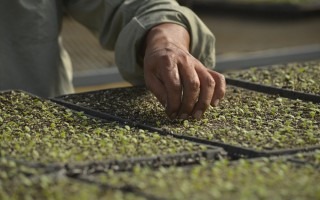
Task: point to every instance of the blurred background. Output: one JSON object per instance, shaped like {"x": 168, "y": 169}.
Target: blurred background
{"x": 248, "y": 33}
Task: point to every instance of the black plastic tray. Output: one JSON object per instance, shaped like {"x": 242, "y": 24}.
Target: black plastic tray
{"x": 76, "y": 168}
{"x": 47, "y": 169}
{"x": 296, "y": 160}
{"x": 40, "y": 169}
{"x": 262, "y": 7}
{"x": 274, "y": 90}
{"x": 232, "y": 150}
{"x": 131, "y": 188}
{"x": 125, "y": 189}
{"x": 183, "y": 158}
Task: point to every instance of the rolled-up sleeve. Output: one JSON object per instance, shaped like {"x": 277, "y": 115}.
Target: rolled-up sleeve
{"x": 121, "y": 25}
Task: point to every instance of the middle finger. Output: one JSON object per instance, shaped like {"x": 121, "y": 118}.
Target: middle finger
{"x": 191, "y": 89}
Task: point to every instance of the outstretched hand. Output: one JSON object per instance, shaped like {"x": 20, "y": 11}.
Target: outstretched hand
{"x": 179, "y": 81}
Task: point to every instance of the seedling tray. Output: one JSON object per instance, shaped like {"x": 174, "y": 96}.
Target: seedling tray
{"x": 127, "y": 191}
{"x": 80, "y": 168}
{"x": 10, "y": 169}
{"x": 264, "y": 6}
{"x": 243, "y": 179}
{"x": 232, "y": 150}
{"x": 28, "y": 122}
{"x": 274, "y": 90}
{"x": 182, "y": 159}
{"x": 20, "y": 181}
{"x": 59, "y": 186}
{"x": 28, "y": 168}
{"x": 137, "y": 106}
{"x": 293, "y": 80}
{"x": 310, "y": 158}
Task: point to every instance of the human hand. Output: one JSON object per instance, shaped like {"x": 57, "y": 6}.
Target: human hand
{"x": 179, "y": 81}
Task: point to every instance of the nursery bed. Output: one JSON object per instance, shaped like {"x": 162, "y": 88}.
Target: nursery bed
{"x": 292, "y": 80}
{"x": 312, "y": 158}
{"x": 264, "y": 6}
{"x": 258, "y": 124}
{"x": 244, "y": 179}
{"x": 40, "y": 132}
{"x": 18, "y": 181}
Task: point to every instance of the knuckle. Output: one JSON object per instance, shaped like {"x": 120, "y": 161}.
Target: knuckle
{"x": 190, "y": 61}
{"x": 223, "y": 79}
{"x": 194, "y": 84}
{"x": 167, "y": 61}
{"x": 210, "y": 82}
{"x": 186, "y": 58}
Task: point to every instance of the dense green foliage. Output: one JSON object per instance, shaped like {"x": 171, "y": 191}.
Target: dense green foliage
{"x": 35, "y": 134}
{"x": 262, "y": 179}
{"x": 36, "y": 130}
{"x": 18, "y": 181}
{"x": 302, "y": 77}
{"x": 312, "y": 158}
{"x": 244, "y": 118}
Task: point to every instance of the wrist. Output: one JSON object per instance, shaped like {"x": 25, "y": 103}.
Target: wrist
{"x": 167, "y": 36}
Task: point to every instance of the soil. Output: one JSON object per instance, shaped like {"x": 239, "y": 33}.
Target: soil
{"x": 302, "y": 77}
{"x": 244, "y": 118}
{"x": 241, "y": 180}
{"x": 38, "y": 130}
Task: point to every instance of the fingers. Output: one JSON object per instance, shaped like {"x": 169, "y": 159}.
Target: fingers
{"x": 173, "y": 87}
{"x": 191, "y": 88}
{"x": 166, "y": 87}
{"x": 162, "y": 78}
{"x": 220, "y": 87}
{"x": 156, "y": 87}
{"x": 201, "y": 88}
{"x": 182, "y": 84}
{"x": 207, "y": 88}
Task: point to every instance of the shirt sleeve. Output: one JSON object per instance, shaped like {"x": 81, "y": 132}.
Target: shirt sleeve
{"x": 121, "y": 25}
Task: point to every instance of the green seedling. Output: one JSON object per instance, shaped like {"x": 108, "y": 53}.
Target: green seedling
{"x": 262, "y": 179}
{"x": 244, "y": 118}
{"x": 302, "y": 77}
{"x": 37, "y": 130}
{"x": 19, "y": 181}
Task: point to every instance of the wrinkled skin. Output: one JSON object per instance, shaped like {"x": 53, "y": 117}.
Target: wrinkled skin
{"x": 180, "y": 82}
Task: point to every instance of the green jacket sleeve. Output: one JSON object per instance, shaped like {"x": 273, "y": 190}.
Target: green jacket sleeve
{"x": 121, "y": 25}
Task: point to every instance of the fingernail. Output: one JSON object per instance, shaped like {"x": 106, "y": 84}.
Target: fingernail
{"x": 173, "y": 115}
{"x": 198, "y": 114}
{"x": 216, "y": 102}
{"x": 184, "y": 116}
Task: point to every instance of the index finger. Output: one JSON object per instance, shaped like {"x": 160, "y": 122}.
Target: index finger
{"x": 191, "y": 89}
{"x": 171, "y": 79}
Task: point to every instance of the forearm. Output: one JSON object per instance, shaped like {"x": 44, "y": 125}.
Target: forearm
{"x": 122, "y": 25}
